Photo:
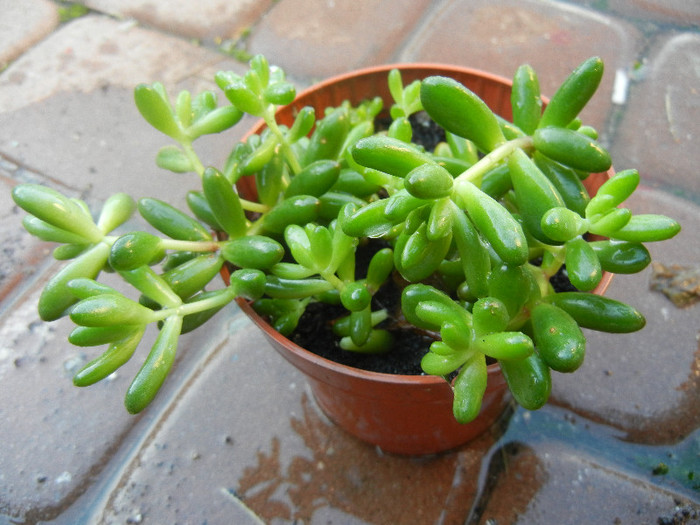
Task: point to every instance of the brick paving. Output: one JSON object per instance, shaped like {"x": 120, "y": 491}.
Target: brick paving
{"x": 549, "y": 36}
{"x": 318, "y": 38}
{"x": 667, "y": 94}
{"x": 23, "y": 25}
{"x": 265, "y": 453}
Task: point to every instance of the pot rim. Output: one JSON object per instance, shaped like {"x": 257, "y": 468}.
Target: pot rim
{"x": 385, "y": 68}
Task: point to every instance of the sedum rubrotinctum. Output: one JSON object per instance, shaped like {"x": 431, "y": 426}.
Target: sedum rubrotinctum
{"x": 472, "y": 215}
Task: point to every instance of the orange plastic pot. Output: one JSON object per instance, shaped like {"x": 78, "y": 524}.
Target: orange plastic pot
{"x": 409, "y": 415}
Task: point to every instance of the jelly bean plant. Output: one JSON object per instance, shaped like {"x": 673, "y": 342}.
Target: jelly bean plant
{"x": 472, "y": 229}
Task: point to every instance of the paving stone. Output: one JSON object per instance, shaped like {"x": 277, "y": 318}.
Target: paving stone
{"x": 54, "y": 438}
{"x": 205, "y": 19}
{"x": 661, "y": 124}
{"x": 553, "y": 37}
{"x": 59, "y": 439}
{"x": 546, "y": 481}
{"x": 646, "y": 383}
{"x": 70, "y": 113}
{"x": 679, "y": 12}
{"x": 93, "y": 52}
{"x": 320, "y": 38}
{"x": 21, "y": 254}
{"x": 22, "y": 25}
{"x": 248, "y": 434}
{"x": 98, "y": 143}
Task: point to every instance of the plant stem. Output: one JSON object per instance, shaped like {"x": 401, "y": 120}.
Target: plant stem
{"x": 289, "y": 154}
{"x": 333, "y": 279}
{"x": 489, "y": 161}
{"x": 190, "y": 246}
{"x": 254, "y": 206}
{"x": 379, "y": 316}
{"x": 552, "y": 260}
{"x": 192, "y": 155}
{"x": 226, "y": 296}
{"x": 255, "y": 226}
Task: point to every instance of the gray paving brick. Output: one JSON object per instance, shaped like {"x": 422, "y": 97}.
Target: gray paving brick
{"x": 567, "y": 486}
{"x": 54, "y": 437}
{"x": 681, "y": 12}
{"x": 205, "y": 19}
{"x": 645, "y": 383}
{"x": 553, "y": 37}
{"x": 61, "y": 440}
{"x": 22, "y": 25}
{"x": 319, "y": 38}
{"x": 659, "y": 131}
{"x": 93, "y": 52}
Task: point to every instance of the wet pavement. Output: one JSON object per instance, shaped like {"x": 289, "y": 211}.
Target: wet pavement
{"x": 235, "y": 436}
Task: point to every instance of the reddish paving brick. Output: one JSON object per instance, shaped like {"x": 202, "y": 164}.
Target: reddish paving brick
{"x": 22, "y": 255}
{"x": 660, "y": 129}
{"x": 205, "y": 19}
{"x": 69, "y": 110}
{"x": 646, "y": 383}
{"x": 23, "y": 24}
{"x": 97, "y": 52}
{"x": 553, "y": 37}
{"x": 320, "y": 38}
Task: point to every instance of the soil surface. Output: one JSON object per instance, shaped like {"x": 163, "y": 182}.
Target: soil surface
{"x": 316, "y": 335}
{"x": 315, "y": 329}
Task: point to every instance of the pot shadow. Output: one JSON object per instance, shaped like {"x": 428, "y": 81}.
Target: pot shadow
{"x": 342, "y": 474}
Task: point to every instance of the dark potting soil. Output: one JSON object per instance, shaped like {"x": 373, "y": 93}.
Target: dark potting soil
{"x": 426, "y": 132}
{"x": 315, "y": 329}
{"x": 560, "y": 281}
{"x": 316, "y": 335}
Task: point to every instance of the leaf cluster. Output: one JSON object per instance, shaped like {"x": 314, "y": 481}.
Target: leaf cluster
{"x": 473, "y": 229}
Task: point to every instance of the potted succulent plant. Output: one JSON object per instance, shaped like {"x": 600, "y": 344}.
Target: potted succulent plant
{"x": 332, "y": 199}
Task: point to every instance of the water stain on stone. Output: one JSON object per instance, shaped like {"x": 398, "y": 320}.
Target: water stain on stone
{"x": 513, "y": 473}
{"x": 355, "y": 478}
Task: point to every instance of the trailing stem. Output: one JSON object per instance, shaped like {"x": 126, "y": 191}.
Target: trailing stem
{"x": 289, "y": 155}
{"x": 489, "y": 161}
